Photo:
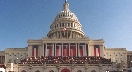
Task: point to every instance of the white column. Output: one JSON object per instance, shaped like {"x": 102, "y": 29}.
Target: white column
{"x": 88, "y": 50}
{"x": 91, "y": 50}
{"x": 76, "y": 49}
{"x": 42, "y": 50}
{"x": 71, "y": 34}
{"x": 39, "y": 51}
{"x": 60, "y": 34}
{"x": 62, "y": 49}
{"x": 86, "y": 44}
{"x": 85, "y": 50}
{"x": 74, "y": 34}
{"x": 102, "y": 51}
{"x": 46, "y": 50}
{"x": 67, "y": 34}
{"x": 57, "y": 34}
{"x": 69, "y": 49}
{"x": 30, "y": 50}
{"x": 55, "y": 49}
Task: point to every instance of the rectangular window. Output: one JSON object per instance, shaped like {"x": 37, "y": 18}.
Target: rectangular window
{"x": 62, "y": 24}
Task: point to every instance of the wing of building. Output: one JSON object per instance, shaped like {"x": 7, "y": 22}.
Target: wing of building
{"x": 66, "y": 49}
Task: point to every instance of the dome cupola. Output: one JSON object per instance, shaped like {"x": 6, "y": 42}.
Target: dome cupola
{"x": 66, "y": 13}
{"x": 66, "y": 25}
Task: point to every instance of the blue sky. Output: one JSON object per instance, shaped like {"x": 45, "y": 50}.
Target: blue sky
{"x": 21, "y": 20}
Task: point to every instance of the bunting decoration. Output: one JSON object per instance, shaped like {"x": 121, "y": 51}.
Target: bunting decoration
{"x": 49, "y": 50}
{"x": 96, "y": 50}
{"x": 35, "y": 51}
{"x": 65, "y": 50}
{"x": 58, "y": 50}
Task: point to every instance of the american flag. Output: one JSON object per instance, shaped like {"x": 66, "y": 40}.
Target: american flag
{"x": 49, "y": 50}
{"x": 96, "y": 50}
{"x": 58, "y": 50}
{"x": 82, "y": 50}
{"x": 65, "y": 50}
{"x": 64, "y": 29}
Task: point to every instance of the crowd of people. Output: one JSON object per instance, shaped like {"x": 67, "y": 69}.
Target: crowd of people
{"x": 2, "y": 66}
{"x": 65, "y": 60}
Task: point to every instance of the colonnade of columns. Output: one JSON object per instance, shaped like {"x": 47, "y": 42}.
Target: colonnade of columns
{"x": 76, "y": 48}
{"x": 66, "y": 49}
{"x": 66, "y": 34}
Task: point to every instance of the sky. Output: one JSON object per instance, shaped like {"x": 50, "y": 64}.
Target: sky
{"x": 110, "y": 20}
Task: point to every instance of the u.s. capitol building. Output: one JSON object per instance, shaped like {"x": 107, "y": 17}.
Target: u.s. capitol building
{"x": 66, "y": 49}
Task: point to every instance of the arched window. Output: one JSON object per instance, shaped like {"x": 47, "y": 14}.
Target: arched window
{"x": 93, "y": 71}
{"x": 79, "y": 71}
{"x": 51, "y": 71}
{"x": 23, "y": 71}
{"x": 65, "y": 70}
{"x": 37, "y": 71}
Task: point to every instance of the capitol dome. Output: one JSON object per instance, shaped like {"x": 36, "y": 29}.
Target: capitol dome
{"x": 66, "y": 13}
{"x": 68, "y": 21}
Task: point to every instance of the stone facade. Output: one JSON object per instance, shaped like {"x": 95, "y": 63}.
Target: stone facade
{"x": 13, "y": 55}
{"x": 65, "y": 31}
{"x": 59, "y": 68}
{"x": 2, "y": 57}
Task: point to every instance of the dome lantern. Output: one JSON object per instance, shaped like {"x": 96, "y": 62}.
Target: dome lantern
{"x": 66, "y": 5}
